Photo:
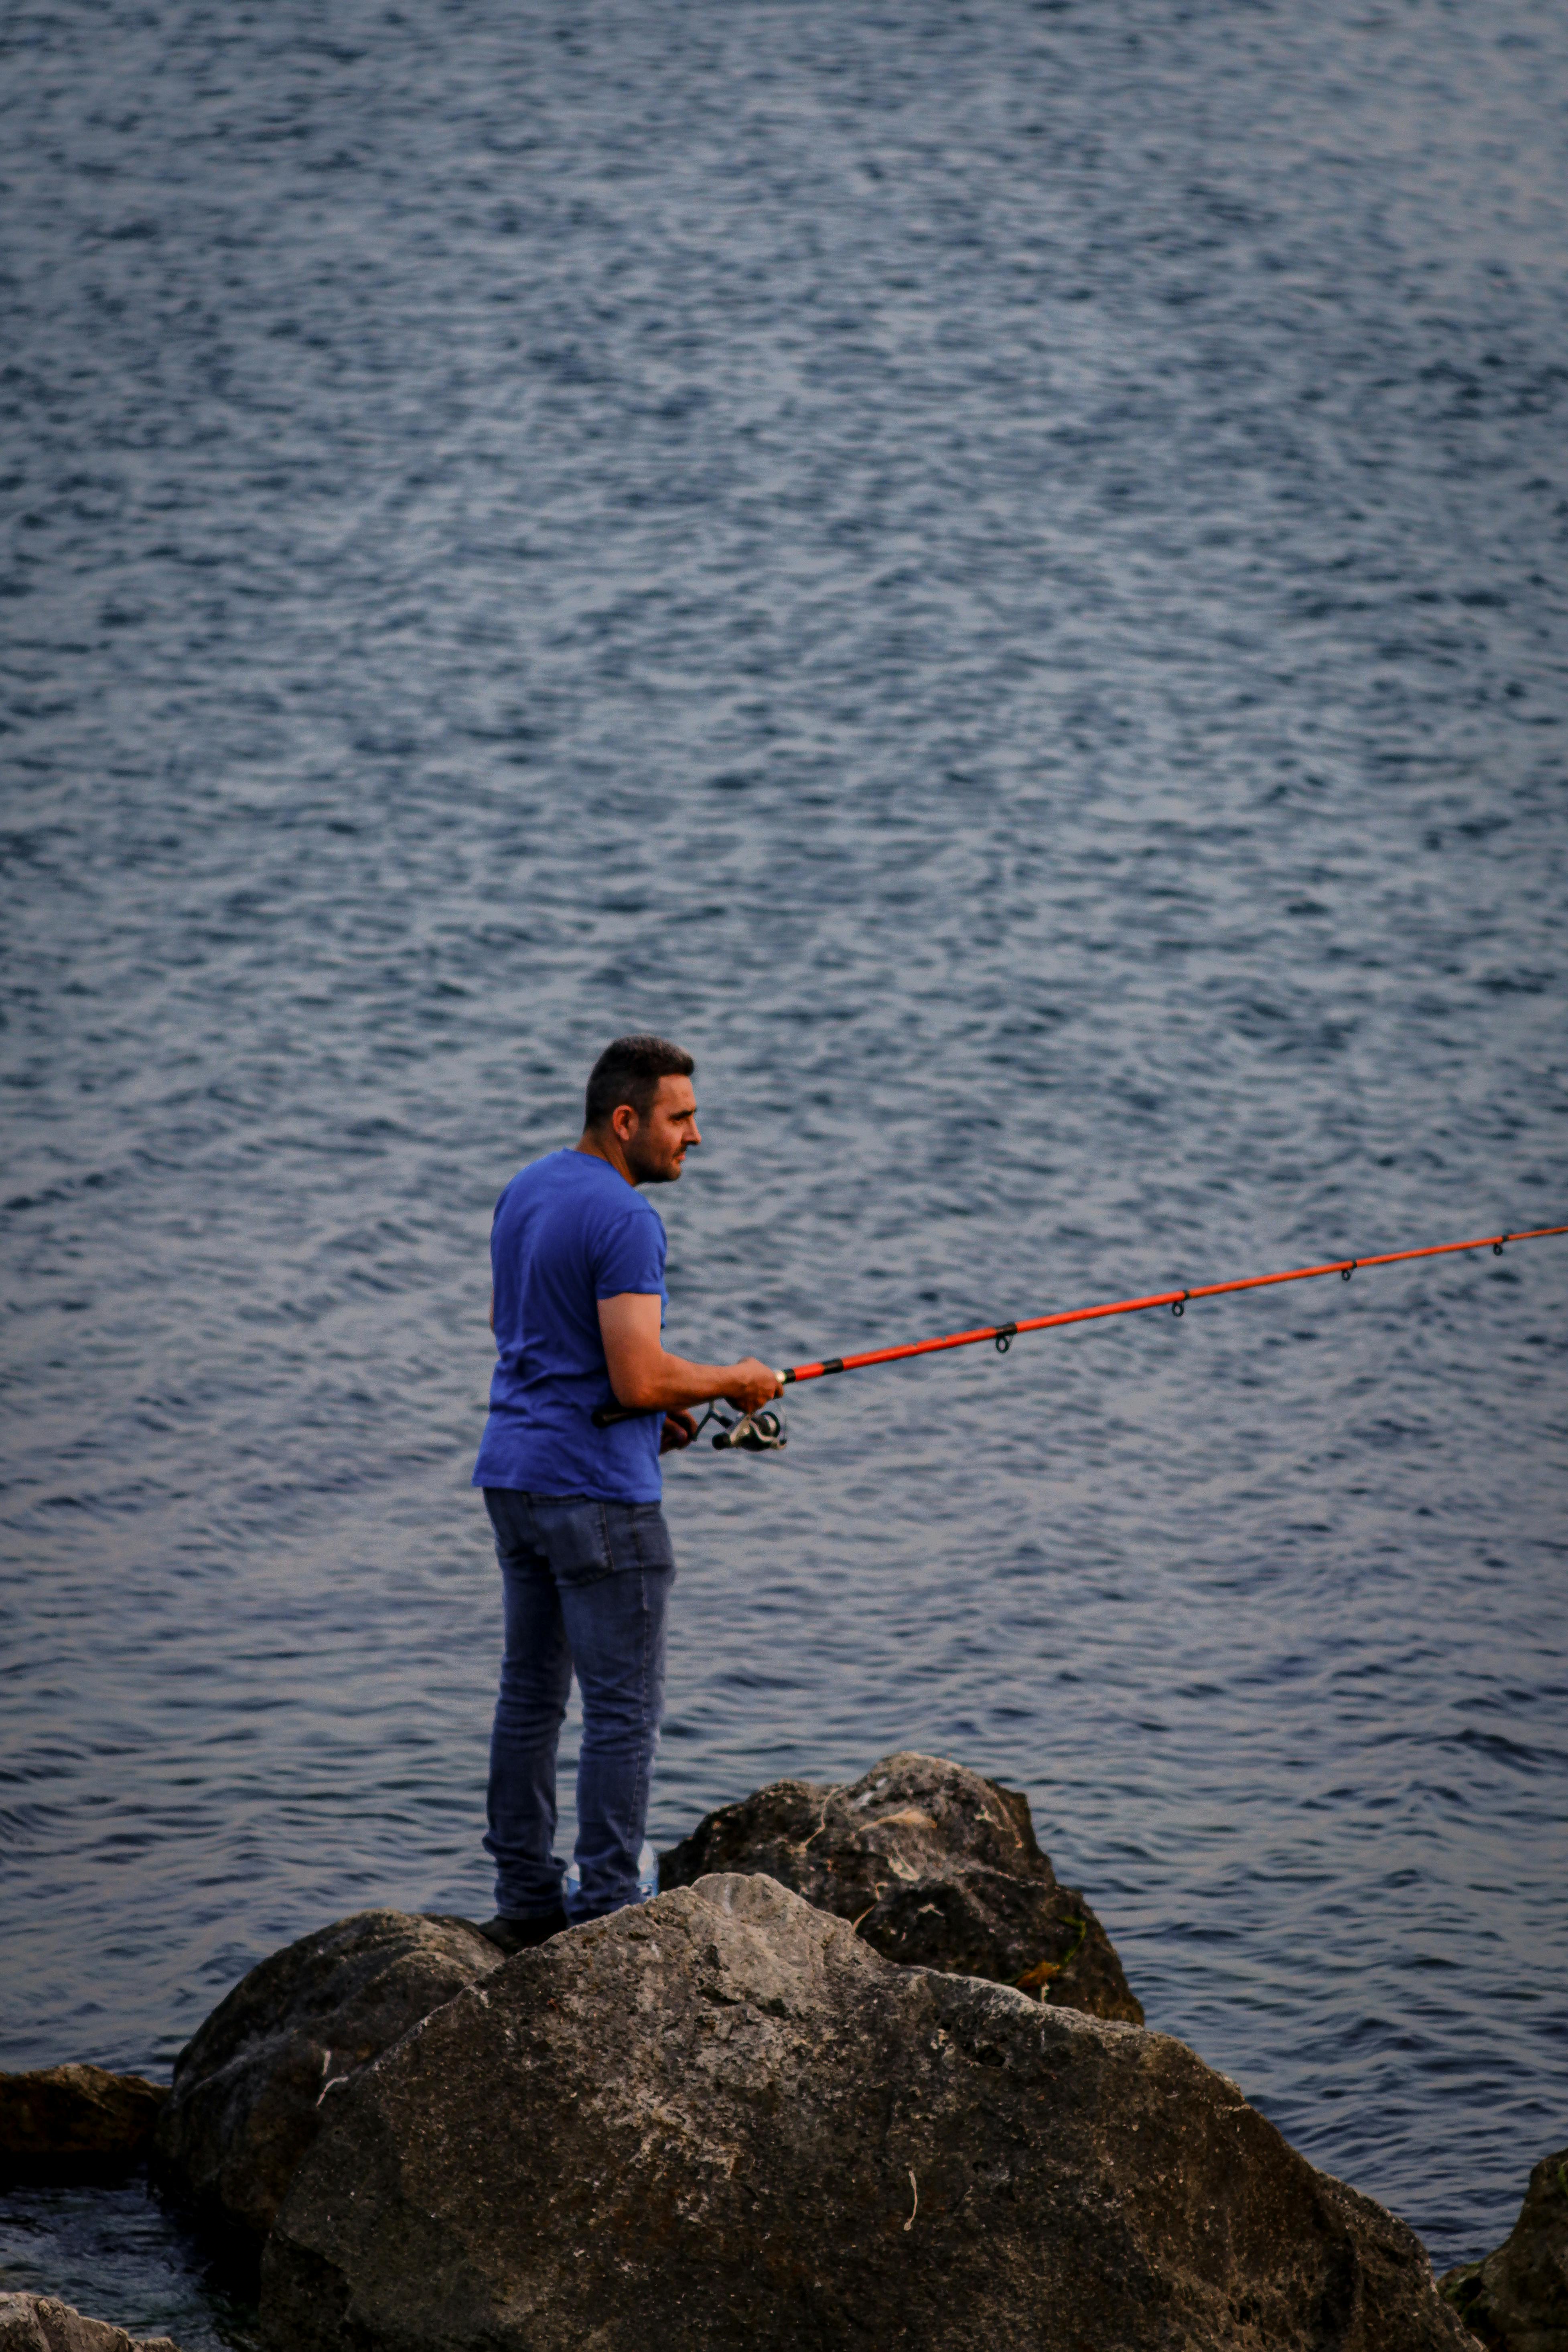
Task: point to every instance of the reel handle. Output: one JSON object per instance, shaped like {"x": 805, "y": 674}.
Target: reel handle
{"x": 762, "y": 1431}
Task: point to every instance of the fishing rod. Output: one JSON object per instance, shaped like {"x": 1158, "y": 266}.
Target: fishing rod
{"x": 763, "y": 1432}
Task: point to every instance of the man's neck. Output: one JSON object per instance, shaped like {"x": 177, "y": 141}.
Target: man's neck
{"x": 607, "y": 1147}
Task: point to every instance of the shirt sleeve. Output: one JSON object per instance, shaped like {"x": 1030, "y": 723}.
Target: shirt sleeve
{"x": 630, "y": 1256}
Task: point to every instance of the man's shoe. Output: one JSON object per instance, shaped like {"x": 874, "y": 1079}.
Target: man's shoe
{"x": 522, "y": 1935}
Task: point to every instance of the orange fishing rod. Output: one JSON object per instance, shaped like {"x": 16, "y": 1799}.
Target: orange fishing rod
{"x": 1003, "y": 1334}
{"x": 762, "y": 1431}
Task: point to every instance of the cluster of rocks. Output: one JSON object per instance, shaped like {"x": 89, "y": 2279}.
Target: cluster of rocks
{"x": 724, "y": 2120}
{"x": 862, "y": 2071}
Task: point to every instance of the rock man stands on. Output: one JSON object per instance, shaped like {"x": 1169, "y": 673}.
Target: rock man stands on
{"x": 577, "y": 1309}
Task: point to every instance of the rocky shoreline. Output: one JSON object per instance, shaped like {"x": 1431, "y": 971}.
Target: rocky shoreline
{"x": 862, "y": 2071}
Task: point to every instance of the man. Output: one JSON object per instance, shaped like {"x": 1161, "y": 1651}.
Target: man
{"x": 577, "y": 1309}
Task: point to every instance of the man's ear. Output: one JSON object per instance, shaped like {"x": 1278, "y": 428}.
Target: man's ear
{"x": 625, "y": 1121}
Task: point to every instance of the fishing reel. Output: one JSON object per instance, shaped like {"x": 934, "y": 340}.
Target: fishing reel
{"x": 762, "y": 1431}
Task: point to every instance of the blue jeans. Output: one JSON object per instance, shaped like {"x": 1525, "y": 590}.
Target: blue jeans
{"x": 584, "y": 1584}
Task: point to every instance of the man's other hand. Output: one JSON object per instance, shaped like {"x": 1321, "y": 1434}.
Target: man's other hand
{"x": 752, "y": 1384}
{"x": 678, "y": 1433}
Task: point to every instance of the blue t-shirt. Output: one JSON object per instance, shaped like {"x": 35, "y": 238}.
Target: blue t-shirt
{"x": 568, "y": 1231}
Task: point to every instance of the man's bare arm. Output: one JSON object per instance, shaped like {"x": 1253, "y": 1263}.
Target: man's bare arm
{"x": 646, "y": 1378}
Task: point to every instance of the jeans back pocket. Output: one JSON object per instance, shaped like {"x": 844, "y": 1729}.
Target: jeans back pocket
{"x": 574, "y": 1534}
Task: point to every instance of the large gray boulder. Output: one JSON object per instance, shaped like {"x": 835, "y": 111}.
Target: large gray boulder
{"x": 723, "y": 2120}
{"x": 68, "y": 2123}
{"x": 38, "y": 2322}
{"x": 936, "y": 1867}
{"x": 1517, "y": 2300}
{"x": 253, "y": 2085}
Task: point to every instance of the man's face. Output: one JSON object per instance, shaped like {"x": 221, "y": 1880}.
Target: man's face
{"x": 657, "y": 1145}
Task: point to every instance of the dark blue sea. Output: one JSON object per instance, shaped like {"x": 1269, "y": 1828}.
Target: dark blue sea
{"x": 1001, "y": 571}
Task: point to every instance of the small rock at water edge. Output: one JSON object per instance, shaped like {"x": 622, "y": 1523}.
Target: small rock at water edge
{"x": 1516, "y": 2299}
{"x": 38, "y": 2322}
{"x": 68, "y": 2123}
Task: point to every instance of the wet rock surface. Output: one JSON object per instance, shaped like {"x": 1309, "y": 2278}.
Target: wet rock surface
{"x": 252, "y": 2087}
{"x": 1516, "y": 2299}
{"x": 70, "y": 2124}
{"x": 935, "y": 1866}
{"x": 724, "y": 2119}
{"x": 38, "y": 2322}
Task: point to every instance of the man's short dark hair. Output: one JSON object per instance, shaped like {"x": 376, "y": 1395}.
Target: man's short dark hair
{"x": 629, "y": 1072}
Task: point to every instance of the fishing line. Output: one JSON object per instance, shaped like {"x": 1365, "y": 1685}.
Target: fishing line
{"x": 763, "y": 1432}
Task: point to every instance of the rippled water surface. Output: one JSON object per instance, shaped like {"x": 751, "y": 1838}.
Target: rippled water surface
{"x": 1000, "y": 572}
